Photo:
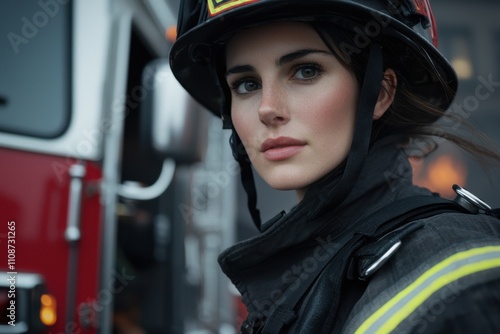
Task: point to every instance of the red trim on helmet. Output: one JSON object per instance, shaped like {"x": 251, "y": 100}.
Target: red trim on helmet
{"x": 423, "y": 7}
{"x": 216, "y": 7}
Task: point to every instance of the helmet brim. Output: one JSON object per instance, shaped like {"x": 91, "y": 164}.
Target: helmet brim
{"x": 191, "y": 55}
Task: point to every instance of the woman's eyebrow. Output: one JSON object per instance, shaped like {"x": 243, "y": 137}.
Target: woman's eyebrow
{"x": 298, "y": 54}
{"x": 289, "y": 57}
{"x": 239, "y": 69}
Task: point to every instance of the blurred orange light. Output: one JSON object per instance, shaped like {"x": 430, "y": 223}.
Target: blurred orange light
{"x": 47, "y": 300}
{"x": 48, "y": 311}
{"x": 441, "y": 174}
{"x": 171, "y": 33}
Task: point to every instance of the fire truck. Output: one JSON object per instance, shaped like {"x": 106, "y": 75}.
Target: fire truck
{"x": 110, "y": 218}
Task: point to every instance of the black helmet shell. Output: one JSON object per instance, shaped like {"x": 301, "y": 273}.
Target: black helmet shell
{"x": 204, "y": 25}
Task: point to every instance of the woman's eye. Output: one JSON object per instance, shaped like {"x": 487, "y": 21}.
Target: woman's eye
{"x": 245, "y": 86}
{"x": 307, "y": 72}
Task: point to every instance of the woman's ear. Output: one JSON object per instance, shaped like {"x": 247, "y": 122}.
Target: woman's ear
{"x": 387, "y": 93}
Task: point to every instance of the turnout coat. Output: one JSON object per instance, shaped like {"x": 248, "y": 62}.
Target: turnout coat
{"x": 305, "y": 273}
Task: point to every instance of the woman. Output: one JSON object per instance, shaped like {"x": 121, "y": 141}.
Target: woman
{"x": 328, "y": 98}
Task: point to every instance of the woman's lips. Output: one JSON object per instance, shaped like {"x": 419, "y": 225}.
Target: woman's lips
{"x": 281, "y": 148}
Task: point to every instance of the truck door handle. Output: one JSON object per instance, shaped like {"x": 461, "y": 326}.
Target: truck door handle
{"x": 77, "y": 173}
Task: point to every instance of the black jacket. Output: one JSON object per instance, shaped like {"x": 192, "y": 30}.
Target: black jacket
{"x": 444, "y": 278}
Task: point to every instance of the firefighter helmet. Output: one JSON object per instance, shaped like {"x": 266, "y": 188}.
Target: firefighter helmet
{"x": 197, "y": 61}
{"x": 205, "y": 24}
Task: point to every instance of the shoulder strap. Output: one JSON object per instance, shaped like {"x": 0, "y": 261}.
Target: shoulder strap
{"x": 380, "y": 223}
{"x": 387, "y": 225}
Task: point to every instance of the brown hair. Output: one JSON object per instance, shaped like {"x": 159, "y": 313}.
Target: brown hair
{"x": 410, "y": 115}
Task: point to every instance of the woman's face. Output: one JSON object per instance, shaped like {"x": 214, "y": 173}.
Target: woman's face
{"x": 292, "y": 103}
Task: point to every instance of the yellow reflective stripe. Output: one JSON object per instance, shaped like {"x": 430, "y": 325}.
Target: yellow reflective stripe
{"x": 403, "y": 313}
{"x": 462, "y": 271}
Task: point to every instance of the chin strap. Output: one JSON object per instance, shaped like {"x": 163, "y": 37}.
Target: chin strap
{"x": 247, "y": 178}
{"x": 358, "y": 152}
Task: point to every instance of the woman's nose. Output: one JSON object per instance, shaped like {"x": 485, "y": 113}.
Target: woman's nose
{"x": 273, "y": 107}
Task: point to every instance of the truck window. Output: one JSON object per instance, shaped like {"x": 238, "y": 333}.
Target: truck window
{"x": 35, "y": 53}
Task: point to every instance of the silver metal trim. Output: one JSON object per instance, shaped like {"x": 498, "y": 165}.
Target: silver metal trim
{"x": 77, "y": 173}
{"x": 463, "y": 193}
{"x": 380, "y": 261}
{"x": 23, "y": 280}
{"x": 117, "y": 75}
{"x": 133, "y": 191}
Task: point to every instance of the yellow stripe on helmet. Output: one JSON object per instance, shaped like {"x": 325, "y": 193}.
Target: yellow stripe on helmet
{"x": 215, "y": 7}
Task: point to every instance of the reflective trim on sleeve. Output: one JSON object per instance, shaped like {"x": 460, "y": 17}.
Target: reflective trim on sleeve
{"x": 459, "y": 265}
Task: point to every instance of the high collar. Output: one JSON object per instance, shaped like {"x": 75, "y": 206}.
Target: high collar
{"x": 265, "y": 266}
